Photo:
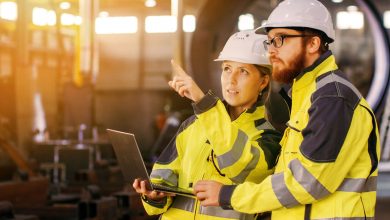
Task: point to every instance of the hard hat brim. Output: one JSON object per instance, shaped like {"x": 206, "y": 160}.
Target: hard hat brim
{"x": 261, "y": 30}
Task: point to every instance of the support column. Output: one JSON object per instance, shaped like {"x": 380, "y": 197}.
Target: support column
{"x": 177, "y": 10}
{"x": 24, "y": 79}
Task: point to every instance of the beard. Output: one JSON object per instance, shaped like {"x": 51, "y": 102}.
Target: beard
{"x": 291, "y": 69}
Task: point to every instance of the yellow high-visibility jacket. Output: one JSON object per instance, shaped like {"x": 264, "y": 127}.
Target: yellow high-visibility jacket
{"x": 210, "y": 146}
{"x": 327, "y": 168}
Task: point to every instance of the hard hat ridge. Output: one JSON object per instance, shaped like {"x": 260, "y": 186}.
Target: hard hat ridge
{"x": 245, "y": 47}
{"x": 300, "y": 13}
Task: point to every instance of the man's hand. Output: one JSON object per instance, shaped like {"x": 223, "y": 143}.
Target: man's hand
{"x": 140, "y": 187}
{"x": 183, "y": 84}
{"x": 208, "y": 192}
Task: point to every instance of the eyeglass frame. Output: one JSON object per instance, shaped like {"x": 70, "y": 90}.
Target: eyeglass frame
{"x": 268, "y": 43}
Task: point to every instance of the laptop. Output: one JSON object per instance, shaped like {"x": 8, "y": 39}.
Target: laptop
{"x": 132, "y": 165}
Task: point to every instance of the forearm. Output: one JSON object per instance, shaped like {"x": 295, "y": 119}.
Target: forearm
{"x": 156, "y": 207}
{"x": 249, "y": 197}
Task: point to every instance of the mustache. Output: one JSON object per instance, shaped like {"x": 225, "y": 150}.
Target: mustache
{"x": 274, "y": 58}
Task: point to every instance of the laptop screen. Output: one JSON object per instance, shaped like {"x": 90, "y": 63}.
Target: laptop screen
{"x": 132, "y": 165}
{"x": 128, "y": 155}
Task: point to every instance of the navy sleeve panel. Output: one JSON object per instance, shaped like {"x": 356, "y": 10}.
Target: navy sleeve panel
{"x": 225, "y": 196}
{"x": 269, "y": 143}
{"x": 157, "y": 204}
{"x": 169, "y": 154}
{"x": 207, "y": 102}
{"x": 329, "y": 122}
{"x": 330, "y": 117}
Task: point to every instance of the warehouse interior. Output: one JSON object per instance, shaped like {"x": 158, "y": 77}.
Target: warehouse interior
{"x": 70, "y": 69}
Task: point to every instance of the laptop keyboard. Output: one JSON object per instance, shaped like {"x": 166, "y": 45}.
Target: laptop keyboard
{"x": 172, "y": 189}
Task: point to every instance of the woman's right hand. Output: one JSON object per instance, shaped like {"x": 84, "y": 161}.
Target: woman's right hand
{"x": 183, "y": 84}
{"x": 140, "y": 187}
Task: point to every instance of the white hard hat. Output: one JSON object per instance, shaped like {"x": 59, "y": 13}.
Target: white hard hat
{"x": 245, "y": 47}
{"x": 300, "y": 13}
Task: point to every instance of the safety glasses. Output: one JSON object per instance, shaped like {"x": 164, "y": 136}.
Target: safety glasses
{"x": 277, "y": 41}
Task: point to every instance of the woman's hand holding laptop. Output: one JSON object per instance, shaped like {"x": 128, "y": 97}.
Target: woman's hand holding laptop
{"x": 140, "y": 187}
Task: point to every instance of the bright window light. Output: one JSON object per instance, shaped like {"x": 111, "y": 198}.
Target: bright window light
{"x": 116, "y": 25}
{"x": 357, "y": 18}
{"x": 68, "y": 19}
{"x": 189, "y": 23}
{"x": 350, "y": 20}
{"x": 246, "y": 22}
{"x": 43, "y": 17}
{"x": 8, "y": 11}
{"x": 342, "y": 20}
{"x": 51, "y": 18}
{"x": 386, "y": 18}
{"x": 160, "y": 24}
{"x": 174, "y": 7}
{"x": 78, "y": 20}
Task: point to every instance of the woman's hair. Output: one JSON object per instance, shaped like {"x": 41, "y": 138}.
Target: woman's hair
{"x": 265, "y": 70}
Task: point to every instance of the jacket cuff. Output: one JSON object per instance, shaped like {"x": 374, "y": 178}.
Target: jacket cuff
{"x": 157, "y": 204}
{"x": 206, "y": 103}
{"x": 225, "y": 196}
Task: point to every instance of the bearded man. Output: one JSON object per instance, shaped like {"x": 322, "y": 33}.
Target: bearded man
{"x": 327, "y": 168}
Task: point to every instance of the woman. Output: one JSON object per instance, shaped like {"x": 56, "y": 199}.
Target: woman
{"x": 228, "y": 141}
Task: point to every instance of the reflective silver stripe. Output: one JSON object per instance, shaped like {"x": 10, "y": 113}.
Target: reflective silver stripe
{"x": 346, "y": 218}
{"x": 307, "y": 180}
{"x": 281, "y": 191}
{"x": 219, "y": 212}
{"x": 265, "y": 125}
{"x": 184, "y": 203}
{"x": 166, "y": 174}
{"x": 335, "y": 78}
{"x": 232, "y": 156}
{"x": 241, "y": 177}
{"x": 358, "y": 185}
{"x": 188, "y": 204}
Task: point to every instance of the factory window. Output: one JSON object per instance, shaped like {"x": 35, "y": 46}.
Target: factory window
{"x": 8, "y": 11}
{"x": 386, "y": 19}
{"x": 189, "y": 23}
{"x": 116, "y": 25}
{"x": 160, "y": 24}
{"x": 246, "y": 22}
{"x": 43, "y": 17}
{"x": 168, "y": 24}
{"x": 70, "y": 19}
{"x": 350, "y": 19}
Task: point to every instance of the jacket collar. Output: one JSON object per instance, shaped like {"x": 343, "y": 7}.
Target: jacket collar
{"x": 325, "y": 63}
{"x": 316, "y": 63}
{"x": 250, "y": 111}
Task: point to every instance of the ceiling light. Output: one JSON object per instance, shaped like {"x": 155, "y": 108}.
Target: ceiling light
{"x": 337, "y": 1}
{"x": 64, "y": 5}
{"x": 150, "y": 3}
